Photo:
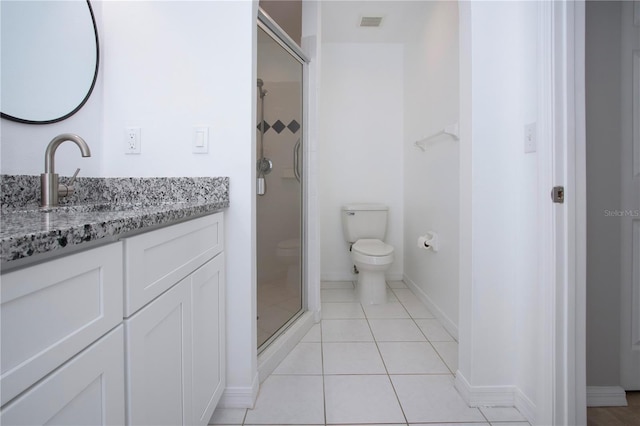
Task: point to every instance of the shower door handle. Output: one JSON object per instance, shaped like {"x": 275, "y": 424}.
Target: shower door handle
{"x": 296, "y": 160}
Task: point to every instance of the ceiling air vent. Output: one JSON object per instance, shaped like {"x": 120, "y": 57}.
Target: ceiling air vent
{"x": 370, "y": 21}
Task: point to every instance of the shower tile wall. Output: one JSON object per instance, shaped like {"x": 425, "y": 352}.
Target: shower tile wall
{"x": 279, "y": 296}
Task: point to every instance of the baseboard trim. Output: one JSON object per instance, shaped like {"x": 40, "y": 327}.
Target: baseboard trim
{"x": 240, "y": 396}
{"x": 280, "y": 348}
{"x": 447, "y": 323}
{"x": 484, "y": 396}
{"x": 606, "y": 396}
{"x": 495, "y": 396}
{"x": 526, "y": 407}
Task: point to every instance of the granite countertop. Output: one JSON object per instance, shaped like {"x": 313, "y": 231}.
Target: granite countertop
{"x": 101, "y": 210}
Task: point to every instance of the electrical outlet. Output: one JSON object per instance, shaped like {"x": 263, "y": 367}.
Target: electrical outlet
{"x": 530, "y": 138}
{"x": 132, "y": 140}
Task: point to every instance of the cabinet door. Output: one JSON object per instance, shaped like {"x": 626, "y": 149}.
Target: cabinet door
{"x": 87, "y": 390}
{"x": 208, "y": 354}
{"x": 51, "y": 311}
{"x": 158, "y": 348}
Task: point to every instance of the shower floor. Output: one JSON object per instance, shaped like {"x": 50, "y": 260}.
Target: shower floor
{"x": 277, "y": 304}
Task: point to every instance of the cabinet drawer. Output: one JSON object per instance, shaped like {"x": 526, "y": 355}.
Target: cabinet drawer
{"x": 85, "y": 391}
{"x": 157, "y": 260}
{"x": 51, "y": 311}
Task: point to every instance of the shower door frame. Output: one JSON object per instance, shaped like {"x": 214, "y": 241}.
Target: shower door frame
{"x": 273, "y": 30}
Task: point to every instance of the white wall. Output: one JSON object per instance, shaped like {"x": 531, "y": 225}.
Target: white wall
{"x": 166, "y": 77}
{"x": 311, "y": 36}
{"x": 498, "y": 286}
{"x": 603, "y": 74}
{"x": 526, "y": 193}
{"x": 360, "y": 145}
{"x": 169, "y": 66}
{"x": 431, "y": 182}
{"x": 23, "y": 145}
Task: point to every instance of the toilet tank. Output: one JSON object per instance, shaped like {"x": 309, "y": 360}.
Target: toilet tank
{"x": 364, "y": 221}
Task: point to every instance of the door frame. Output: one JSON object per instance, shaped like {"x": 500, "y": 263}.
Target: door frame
{"x": 630, "y": 234}
{"x": 563, "y": 226}
{"x": 576, "y": 237}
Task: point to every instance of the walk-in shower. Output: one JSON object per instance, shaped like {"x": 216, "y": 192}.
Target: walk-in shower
{"x": 279, "y": 186}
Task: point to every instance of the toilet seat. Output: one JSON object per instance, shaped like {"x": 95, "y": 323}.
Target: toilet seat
{"x": 372, "y": 247}
{"x": 372, "y": 252}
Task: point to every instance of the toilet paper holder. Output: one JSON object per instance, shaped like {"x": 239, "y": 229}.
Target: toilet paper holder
{"x": 429, "y": 241}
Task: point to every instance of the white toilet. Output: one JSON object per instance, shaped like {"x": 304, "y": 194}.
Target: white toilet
{"x": 364, "y": 227}
{"x": 288, "y": 253}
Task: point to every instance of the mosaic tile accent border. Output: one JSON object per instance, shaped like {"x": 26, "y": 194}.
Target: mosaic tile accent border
{"x": 279, "y": 126}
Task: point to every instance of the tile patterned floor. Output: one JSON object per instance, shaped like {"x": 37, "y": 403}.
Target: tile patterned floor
{"x": 390, "y": 364}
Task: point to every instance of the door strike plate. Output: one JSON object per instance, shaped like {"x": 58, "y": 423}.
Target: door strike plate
{"x": 557, "y": 194}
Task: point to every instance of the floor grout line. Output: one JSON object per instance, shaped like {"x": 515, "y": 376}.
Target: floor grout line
{"x": 244, "y": 418}
{"x": 324, "y": 387}
{"x": 395, "y": 392}
{"x": 367, "y": 317}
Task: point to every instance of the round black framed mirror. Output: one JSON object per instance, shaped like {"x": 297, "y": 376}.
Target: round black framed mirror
{"x": 50, "y": 59}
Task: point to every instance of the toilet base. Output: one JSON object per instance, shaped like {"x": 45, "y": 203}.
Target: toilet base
{"x": 372, "y": 287}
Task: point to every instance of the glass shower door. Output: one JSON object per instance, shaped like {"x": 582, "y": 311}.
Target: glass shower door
{"x": 279, "y": 187}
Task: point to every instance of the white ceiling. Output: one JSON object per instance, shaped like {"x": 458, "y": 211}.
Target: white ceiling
{"x": 402, "y": 19}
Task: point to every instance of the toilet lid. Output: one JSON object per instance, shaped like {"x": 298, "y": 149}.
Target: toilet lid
{"x": 372, "y": 247}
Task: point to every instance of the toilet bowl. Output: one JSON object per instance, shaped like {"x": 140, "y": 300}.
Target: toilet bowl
{"x": 373, "y": 258}
{"x": 288, "y": 253}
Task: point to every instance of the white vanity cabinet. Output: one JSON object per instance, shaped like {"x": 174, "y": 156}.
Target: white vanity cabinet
{"x": 174, "y": 336}
{"x": 50, "y": 316}
{"x": 131, "y": 332}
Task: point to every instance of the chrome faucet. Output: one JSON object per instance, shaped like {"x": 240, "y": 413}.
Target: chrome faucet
{"x": 50, "y": 190}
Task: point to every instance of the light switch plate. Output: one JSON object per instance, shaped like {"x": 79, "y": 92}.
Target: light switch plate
{"x": 200, "y": 140}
